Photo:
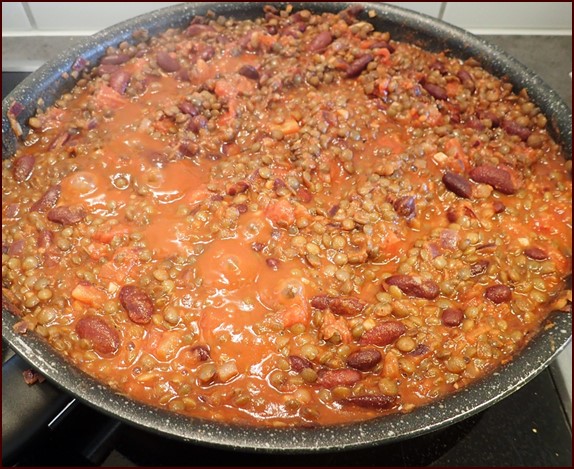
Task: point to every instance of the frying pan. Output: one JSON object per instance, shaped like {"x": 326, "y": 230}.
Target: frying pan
{"x": 50, "y": 81}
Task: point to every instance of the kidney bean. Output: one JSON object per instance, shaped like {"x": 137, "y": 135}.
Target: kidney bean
{"x": 498, "y": 293}
{"x": 249, "y": 71}
{"x": 474, "y": 123}
{"x": 23, "y": 167}
{"x": 104, "y": 338}
{"x": 166, "y": 62}
{"x": 491, "y": 116}
{"x": 369, "y": 401}
{"x": 452, "y": 317}
{"x": 67, "y": 214}
{"x": 115, "y": 59}
{"x": 48, "y": 199}
{"x": 513, "y": 128}
{"x": 458, "y": 184}
{"x": 237, "y": 188}
{"x": 187, "y": 108}
{"x": 196, "y": 123}
{"x": 436, "y": 91}
{"x": 298, "y": 363}
{"x": 498, "y": 178}
{"x": 438, "y": 66}
{"x": 333, "y": 211}
{"x": 342, "y": 377}
{"x": 479, "y": 267}
{"x": 364, "y": 360}
{"x": 383, "y": 45}
{"x": 421, "y": 349}
{"x": 466, "y": 80}
{"x": 137, "y": 303}
{"x": 414, "y": 286}
{"x": 358, "y": 65}
{"x": 257, "y": 247}
{"x": 16, "y": 248}
{"x": 342, "y": 305}
{"x": 304, "y": 195}
{"x": 320, "y": 41}
{"x": 201, "y": 352}
{"x": 45, "y": 239}
{"x": 536, "y": 253}
{"x": 383, "y": 334}
{"x": 119, "y": 81}
{"x": 405, "y": 206}
{"x": 32, "y": 377}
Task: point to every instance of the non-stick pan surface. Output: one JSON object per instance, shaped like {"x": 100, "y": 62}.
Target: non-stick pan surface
{"x": 51, "y": 80}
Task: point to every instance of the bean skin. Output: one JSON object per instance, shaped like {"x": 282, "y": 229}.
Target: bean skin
{"x": 298, "y": 363}
{"x": 414, "y": 286}
{"x": 119, "y": 81}
{"x": 115, "y": 59}
{"x": 457, "y": 184}
{"x": 364, "y": 360}
{"x": 137, "y": 303}
{"x": 383, "y": 334}
{"x": 498, "y": 294}
{"x": 23, "y": 167}
{"x": 48, "y": 199}
{"x": 369, "y": 401}
{"x": 342, "y": 305}
{"x": 67, "y": 214}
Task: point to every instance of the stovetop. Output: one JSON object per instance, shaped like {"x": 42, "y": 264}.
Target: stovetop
{"x": 528, "y": 428}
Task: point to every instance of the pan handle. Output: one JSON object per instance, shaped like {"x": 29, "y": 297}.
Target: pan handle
{"x": 26, "y": 410}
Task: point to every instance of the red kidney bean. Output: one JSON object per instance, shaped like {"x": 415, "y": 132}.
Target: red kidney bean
{"x": 364, "y": 360}
{"x": 342, "y": 305}
{"x": 188, "y": 149}
{"x": 115, "y": 59}
{"x": 201, "y": 352}
{"x": 498, "y": 293}
{"x": 166, "y": 62}
{"x": 466, "y": 80}
{"x": 383, "y": 45}
{"x": 405, "y": 206}
{"x": 23, "y": 167}
{"x": 187, "y": 108}
{"x": 16, "y": 248}
{"x": 137, "y": 303}
{"x": 48, "y": 199}
{"x": 320, "y": 41}
{"x": 333, "y": 210}
{"x": 479, "y": 267}
{"x": 498, "y": 206}
{"x": 304, "y": 195}
{"x": 119, "y": 81}
{"x": 457, "y": 184}
{"x": 452, "y": 317}
{"x": 12, "y": 210}
{"x": 474, "y": 123}
{"x": 32, "y": 377}
{"x": 414, "y": 286}
{"x": 383, "y": 334}
{"x": 67, "y": 214}
{"x": 298, "y": 363}
{"x": 237, "y": 188}
{"x": 514, "y": 128}
{"x": 438, "y": 66}
{"x": 421, "y": 349}
{"x": 498, "y": 178}
{"x": 536, "y": 253}
{"x": 196, "y": 123}
{"x": 45, "y": 238}
{"x": 257, "y": 247}
{"x": 436, "y": 91}
{"x": 104, "y": 338}
{"x": 358, "y": 65}
{"x": 491, "y": 116}
{"x": 272, "y": 263}
{"x": 197, "y": 29}
{"x": 342, "y": 377}
{"x": 249, "y": 71}
{"x": 369, "y": 401}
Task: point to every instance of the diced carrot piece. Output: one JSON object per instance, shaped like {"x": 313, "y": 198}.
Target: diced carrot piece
{"x": 88, "y": 294}
{"x": 476, "y": 332}
{"x": 106, "y": 236}
{"x": 281, "y": 213}
{"x": 294, "y": 314}
{"x": 96, "y": 250}
{"x": 290, "y": 126}
{"x": 335, "y": 325}
{"x": 391, "y": 365}
{"x": 122, "y": 265}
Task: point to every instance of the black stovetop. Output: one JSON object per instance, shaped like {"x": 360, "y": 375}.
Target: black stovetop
{"x": 529, "y": 428}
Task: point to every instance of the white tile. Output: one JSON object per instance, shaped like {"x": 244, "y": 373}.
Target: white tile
{"x": 14, "y": 17}
{"x": 428, "y": 8}
{"x": 88, "y": 16}
{"x": 509, "y": 15}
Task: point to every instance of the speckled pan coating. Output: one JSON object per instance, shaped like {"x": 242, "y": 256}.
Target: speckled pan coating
{"x": 404, "y": 25}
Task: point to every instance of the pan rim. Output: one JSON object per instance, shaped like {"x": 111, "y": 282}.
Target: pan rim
{"x": 535, "y": 357}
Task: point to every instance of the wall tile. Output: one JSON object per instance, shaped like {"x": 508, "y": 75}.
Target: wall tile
{"x": 428, "y": 8}
{"x": 14, "y": 17}
{"x": 88, "y": 16}
{"x": 510, "y": 15}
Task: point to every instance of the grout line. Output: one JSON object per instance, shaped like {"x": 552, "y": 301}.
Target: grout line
{"x": 30, "y": 15}
{"x": 442, "y": 10}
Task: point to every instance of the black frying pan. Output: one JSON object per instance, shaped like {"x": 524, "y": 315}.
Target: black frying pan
{"x": 429, "y": 33}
